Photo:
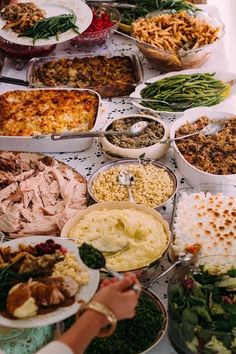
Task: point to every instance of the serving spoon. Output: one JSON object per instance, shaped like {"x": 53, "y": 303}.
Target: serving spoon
{"x": 127, "y": 179}
{"x": 135, "y": 130}
{"x": 209, "y": 129}
{"x": 183, "y": 258}
{"x": 94, "y": 259}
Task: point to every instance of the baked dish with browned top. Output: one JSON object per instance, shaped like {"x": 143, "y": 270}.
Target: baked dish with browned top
{"x": 32, "y": 112}
{"x": 109, "y": 76}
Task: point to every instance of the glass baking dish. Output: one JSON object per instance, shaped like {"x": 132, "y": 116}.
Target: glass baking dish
{"x": 228, "y": 190}
{"x": 118, "y": 86}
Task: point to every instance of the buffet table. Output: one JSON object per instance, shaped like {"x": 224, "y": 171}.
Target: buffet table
{"x": 88, "y": 161}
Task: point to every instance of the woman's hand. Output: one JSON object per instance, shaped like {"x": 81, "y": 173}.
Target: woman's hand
{"x": 118, "y": 296}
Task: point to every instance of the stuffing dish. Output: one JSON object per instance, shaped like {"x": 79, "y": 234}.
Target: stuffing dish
{"x": 32, "y": 112}
{"x": 37, "y": 194}
{"x": 214, "y": 154}
{"x": 30, "y": 281}
{"x": 20, "y": 17}
{"x": 150, "y": 136}
{"x": 109, "y": 76}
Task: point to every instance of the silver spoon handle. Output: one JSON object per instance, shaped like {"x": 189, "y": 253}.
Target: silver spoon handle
{"x": 91, "y": 134}
{"x": 120, "y": 276}
{"x": 152, "y": 282}
{"x": 131, "y": 198}
{"x": 168, "y": 141}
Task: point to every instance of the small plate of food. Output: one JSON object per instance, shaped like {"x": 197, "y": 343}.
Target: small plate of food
{"x": 44, "y": 22}
{"x": 42, "y": 280}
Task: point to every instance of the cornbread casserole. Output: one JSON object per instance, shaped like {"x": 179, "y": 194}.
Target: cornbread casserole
{"x": 109, "y": 76}
{"x": 31, "y": 112}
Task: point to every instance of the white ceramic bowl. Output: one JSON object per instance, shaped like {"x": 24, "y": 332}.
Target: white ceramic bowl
{"x": 154, "y": 151}
{"x": 193, "y": 175}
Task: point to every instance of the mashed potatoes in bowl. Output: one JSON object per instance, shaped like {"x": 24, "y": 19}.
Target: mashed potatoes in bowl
{"x": 138, "y": 233}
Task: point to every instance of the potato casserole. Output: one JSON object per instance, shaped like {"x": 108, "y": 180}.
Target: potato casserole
{"x": 32, "y": 112}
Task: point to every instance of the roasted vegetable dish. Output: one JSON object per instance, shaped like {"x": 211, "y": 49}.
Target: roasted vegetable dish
{"x": 202, "y": 309}
{"x": 179, "y": 92}
{"x": 110, "y": 77}
{"x": 213, "y": 154}
{"x": 20, "y": 17}
{"x": 33, "y": 279}
{"x": 151, "y": 135}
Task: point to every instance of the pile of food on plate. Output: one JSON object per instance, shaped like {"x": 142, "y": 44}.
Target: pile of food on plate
{"x": 38, "y": 194}
{"x": 38, "y": 279}
{"x": 212, "y": 154}
{"x": 33, "y": 112}
{"x": 201, "y": 308}
{"x": 21, "y": 16}
{"x": 28, "y": 20}
{"x": 133, "y": 237}
{"x": 152, "y": 185}
{"x": 208, "y": 220}
{"x": 109, "y": 76}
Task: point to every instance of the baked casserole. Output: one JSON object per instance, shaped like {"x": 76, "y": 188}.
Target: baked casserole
{"x": 32, "y": 112}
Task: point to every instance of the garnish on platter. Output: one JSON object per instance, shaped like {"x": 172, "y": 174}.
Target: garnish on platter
{"x": 38, "y": 279}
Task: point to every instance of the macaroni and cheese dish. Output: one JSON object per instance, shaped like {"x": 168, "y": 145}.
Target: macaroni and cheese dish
{"x": 32, "y": 112}
{"x": 143, "y": 236}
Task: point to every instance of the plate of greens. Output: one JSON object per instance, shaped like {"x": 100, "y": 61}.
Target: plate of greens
{"x": 175, "y": 92}
{"x": 202, "y": 307}
{"x": 44, "y": 22}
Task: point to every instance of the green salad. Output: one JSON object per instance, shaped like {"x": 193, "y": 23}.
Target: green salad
{"x": 202, "y": 310}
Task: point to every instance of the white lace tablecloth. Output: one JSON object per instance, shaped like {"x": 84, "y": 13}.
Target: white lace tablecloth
{"x": 88, "y": 161}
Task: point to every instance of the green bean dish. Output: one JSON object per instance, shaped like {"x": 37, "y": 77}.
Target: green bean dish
{"x": 179, "y": 92}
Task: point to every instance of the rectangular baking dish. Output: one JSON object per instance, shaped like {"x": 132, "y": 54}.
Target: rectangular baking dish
{"x": 46, "y": 144}
{"x": 116, "y": 90}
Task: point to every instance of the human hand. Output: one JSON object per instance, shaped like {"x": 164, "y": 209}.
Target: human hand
{"x": 118, "y": 296}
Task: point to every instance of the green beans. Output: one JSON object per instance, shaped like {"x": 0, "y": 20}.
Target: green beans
{"x": 147, "y": 6}
{"x": 175, "y": 91}
{"x": 51, "y": 26}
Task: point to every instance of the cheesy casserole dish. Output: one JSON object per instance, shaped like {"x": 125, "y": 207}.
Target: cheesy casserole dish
{"x": 32, "y": 112}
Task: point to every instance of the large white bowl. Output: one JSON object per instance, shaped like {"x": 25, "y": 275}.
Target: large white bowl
{"x": 193, "y": 175}
{"x": 154, "y": 151}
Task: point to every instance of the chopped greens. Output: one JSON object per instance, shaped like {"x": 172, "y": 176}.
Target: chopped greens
{"x": 147, "y": 6}
{"x": 202, "y": 309}
{"x": 92, "y": 257}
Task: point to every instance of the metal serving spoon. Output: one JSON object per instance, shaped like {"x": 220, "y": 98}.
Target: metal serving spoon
{"x": 127, "y": 179}
{"x": 94, "y": 259}
{"x": 179, "y": 105}
{"x": 183, "y": 259}
{"x": 209, "y": 129}
{"x": 135, "y": 130}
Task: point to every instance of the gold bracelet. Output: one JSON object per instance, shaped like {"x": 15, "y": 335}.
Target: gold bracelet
{"x": 104, "y": 310}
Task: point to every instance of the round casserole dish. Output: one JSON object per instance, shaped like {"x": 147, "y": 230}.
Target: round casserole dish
{"x": 193, "y": 175}
{"x": 154, "y": 151}
{"x": 71, "y": 223}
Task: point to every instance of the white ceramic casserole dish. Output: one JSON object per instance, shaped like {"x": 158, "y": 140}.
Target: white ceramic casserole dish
{"x": 154, "y": 151}
{"x": 46, "y": 144}
{"x": 193, "y": 175}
